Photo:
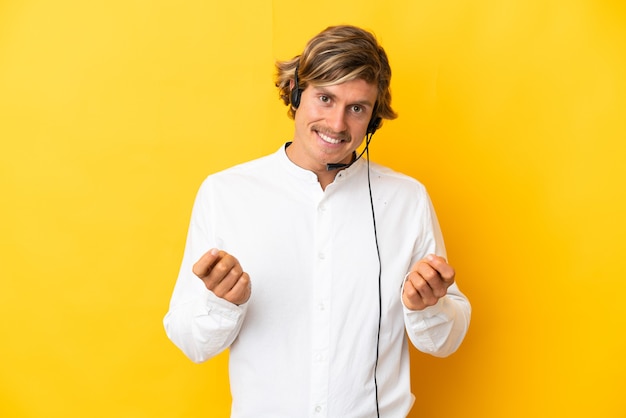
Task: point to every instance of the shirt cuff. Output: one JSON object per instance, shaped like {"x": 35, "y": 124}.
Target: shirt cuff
{"x": 214, "y": 305}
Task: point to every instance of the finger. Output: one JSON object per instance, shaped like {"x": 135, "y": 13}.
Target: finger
{"x": 241, "y": 291}
{"x": 422, "y": 287}
{"x": 212, "y": 268}
{"x": 411, "y": 297}
{"x": 432, "y": 278}
{"x": 204, "y": 265}
{"x": 223, "y": 266}
{"x": 446, "y": 271}
{"x": 226, "y": 283}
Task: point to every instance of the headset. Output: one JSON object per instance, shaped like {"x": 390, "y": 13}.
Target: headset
{"x": 372, "y": 126}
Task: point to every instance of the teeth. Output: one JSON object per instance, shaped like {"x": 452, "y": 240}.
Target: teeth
{"x": 328, "y": 138}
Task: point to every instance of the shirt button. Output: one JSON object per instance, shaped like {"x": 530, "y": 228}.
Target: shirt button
{"x": 321, "y": 256}
{"x": 318, "y": 409}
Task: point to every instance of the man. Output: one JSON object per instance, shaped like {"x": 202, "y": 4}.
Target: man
{"x": 313, "y": 265}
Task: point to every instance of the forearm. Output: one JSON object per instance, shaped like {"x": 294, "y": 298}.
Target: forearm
{"x": 204, "y": 326}
{"x": 439, "y": 329}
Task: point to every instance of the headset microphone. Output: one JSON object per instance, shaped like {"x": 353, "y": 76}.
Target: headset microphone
{"x": 337, "y": 166}
{"x": 331, "y": 167}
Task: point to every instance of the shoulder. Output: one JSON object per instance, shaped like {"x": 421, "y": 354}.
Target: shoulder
{"x": 255, "y": 166}
{"x": 236, "y": 181}
{"x": 395, "y": 179}
{"x": 249, "y": 170}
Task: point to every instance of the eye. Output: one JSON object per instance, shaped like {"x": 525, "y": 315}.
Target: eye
{"x": 356, "y": 109}
{"x": 324, "y": 99}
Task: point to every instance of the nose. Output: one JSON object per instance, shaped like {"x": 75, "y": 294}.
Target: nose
{"x": 336, "y": 119}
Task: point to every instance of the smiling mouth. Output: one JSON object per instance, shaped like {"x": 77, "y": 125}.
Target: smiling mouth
{"x": 330, "y": 139}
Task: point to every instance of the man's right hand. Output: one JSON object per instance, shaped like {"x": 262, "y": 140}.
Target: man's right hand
{"x": 222, "y": 274}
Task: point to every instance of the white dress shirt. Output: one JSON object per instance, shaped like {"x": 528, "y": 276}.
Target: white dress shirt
{"x": 305, "y": 344}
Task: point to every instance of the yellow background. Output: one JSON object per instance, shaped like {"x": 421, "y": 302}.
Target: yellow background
{"x": 512, "y": 112}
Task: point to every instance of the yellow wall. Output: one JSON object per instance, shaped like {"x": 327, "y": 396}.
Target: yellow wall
{"x": 512, "y": 112}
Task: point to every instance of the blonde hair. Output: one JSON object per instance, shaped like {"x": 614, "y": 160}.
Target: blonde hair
{"x": 336, "y": 55}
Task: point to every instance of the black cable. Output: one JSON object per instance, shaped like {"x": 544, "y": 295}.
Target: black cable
{"x": 380, "y": 270}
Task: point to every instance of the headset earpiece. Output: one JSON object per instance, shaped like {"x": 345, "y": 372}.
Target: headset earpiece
{"x": 295, "y": 97}
{"x": 296, "y": 92}
{"x": 373, "y": 125}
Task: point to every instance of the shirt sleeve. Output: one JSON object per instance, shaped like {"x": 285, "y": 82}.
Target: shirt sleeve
{"x": 439, "y": 329}
{"x": 198, "y": 322}
{"x": 205, "y": 326}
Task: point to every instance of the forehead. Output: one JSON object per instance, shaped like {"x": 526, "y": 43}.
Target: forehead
{"x": 357, "y": 91}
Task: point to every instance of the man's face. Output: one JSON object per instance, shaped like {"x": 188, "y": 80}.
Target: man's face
{"x": 330, "y": 123}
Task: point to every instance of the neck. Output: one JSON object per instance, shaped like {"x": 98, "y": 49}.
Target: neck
{"x": 325, "y": 176}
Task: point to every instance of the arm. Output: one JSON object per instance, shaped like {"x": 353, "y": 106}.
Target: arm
{"x": 208, "y": 306}
{"x": 436, "y": 313}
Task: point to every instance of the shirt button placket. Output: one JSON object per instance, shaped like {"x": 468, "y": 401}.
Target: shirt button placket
{"x": 320, "y": 329}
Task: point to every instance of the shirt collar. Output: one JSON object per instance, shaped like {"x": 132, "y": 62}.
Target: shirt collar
{"x": 309, "y": 176}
